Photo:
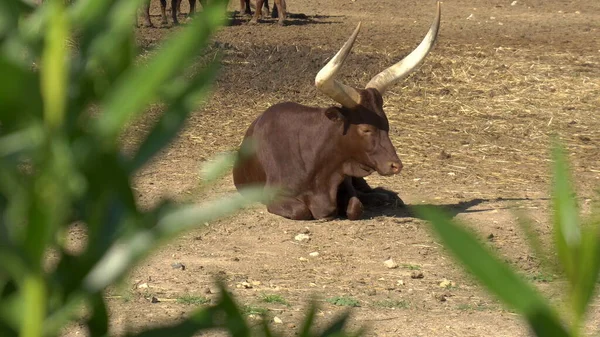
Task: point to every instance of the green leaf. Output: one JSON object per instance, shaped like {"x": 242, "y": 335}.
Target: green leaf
{"x": 235, "y": 322}
{"x": 544, "y": 255}
{"x": 491, "y": 272}
{"x": 54, "y": 70}
{"x": 181, "y": 99}
{"x": 98, "y": 322}
{"x": 217, "y": 167}
{"x": 34, "y": 305}
{"x": 88, "y": 12}
{"x": 200, "y": 320}
{"x": 309, "y": 321}
{"x": 336, "y": 328}
{"x": 10, "y": 12}
{"x": 19, "y": 91}
{"x": 139, "y": 86}
{"x": 567, "y": 233}
{"x": 589, "y": 270}
{"x": 124, "y": 254}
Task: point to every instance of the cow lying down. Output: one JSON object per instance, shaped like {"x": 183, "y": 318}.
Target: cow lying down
{"x": 319, "y": 156}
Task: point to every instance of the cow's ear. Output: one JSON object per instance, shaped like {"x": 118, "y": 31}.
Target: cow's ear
{"x": 335, "y": 114}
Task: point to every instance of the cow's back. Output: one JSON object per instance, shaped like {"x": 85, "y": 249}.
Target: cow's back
{"x": 287, "y": 138}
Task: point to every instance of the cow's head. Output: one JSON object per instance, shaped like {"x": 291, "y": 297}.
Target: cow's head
{"x": 365, "y": 123}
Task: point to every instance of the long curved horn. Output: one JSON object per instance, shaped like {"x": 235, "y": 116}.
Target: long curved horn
{"x": 326, "y": 82}
{"x": 408, "y": 64}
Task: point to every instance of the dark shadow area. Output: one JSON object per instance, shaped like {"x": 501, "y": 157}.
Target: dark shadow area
{"x": 450, "y": 209}
{"x": 293, "y": 19}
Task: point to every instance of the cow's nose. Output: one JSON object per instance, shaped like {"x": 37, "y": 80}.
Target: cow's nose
{"x": 395, "y": 166}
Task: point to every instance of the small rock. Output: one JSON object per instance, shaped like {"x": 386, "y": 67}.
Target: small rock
{"x": 154, "y": 300}
{"x": 417, "y": 274}
{"x": 390, "y": 264}
{"x": 314, "y": 254}
{"x": 277, "y": 320}
{"x": 207, "y": 290}
{"x": 143, "y": 286}
{"x": 445, "y": 155}
{"x": 302, "y": 259}
{"x": 446, "y": 284}
{"x": 291, "y": 326}
{"x": 490, "y": 237}
{"x": 400, "y": 282}
{"x": 441, "y": 297}
{"x": 255, "y": 283}
{"x": 514, "y": 3}
{"x": 302, "y": 237}
{"x": 305, "y": 231}
{"x": 245, "y": 285}
{"x": 312, "y": 284}
{"x": 178, "y": 266}
{"x": 371, "y": 292}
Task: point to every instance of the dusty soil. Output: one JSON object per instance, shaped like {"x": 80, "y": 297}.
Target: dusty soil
{"x": 473, "y": 127}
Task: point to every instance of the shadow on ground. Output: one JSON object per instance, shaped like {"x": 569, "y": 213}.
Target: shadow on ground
{"x": 452, "y": 210}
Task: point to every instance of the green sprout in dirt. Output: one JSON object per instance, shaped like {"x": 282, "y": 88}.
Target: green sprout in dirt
{"x": 577, "y": 244}
{"x": 344, "y": 301}
{"x": 274, "y": 298}
{"x": 411, "y": 266}
{"x": 254, "y": 310}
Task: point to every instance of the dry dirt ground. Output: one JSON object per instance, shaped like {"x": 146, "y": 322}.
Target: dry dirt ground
{"x": 473, "y": 127}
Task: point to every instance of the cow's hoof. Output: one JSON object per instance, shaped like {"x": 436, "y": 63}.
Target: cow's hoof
{"x": 253, "y": 22}
{"x": 355, "y": 209}
{"x": 281, "y": 22}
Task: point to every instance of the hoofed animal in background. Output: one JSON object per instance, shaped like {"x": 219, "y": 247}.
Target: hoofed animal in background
{"x": 279, "y": 9}
{"x": 319, "y": 156}
{"x": 175, "y": 8}
{"x": 245, "y": 7}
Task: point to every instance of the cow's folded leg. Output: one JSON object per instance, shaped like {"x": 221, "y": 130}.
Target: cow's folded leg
{"x": 349, "y": 204}
{"x": 290, "y": 208}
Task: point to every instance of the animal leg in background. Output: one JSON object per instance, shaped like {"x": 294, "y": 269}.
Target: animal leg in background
{"x": 374, "y": 196}
{"x": 175, "y": 8}
{"x": 277, "y": 10}
{"x": 163, "y": 5}
{"x": 245, "y": 7}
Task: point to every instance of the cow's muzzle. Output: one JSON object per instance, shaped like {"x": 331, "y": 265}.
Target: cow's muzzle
{"x": 390, "y": 168}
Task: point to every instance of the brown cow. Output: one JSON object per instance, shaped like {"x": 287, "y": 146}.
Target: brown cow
{"x": 175, "y": 8}
{"x": 319, "y": 156}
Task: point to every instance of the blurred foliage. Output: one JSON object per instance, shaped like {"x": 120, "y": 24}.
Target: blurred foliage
{"x": 70, "y": 85}
{"x": 576, "y": 254}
